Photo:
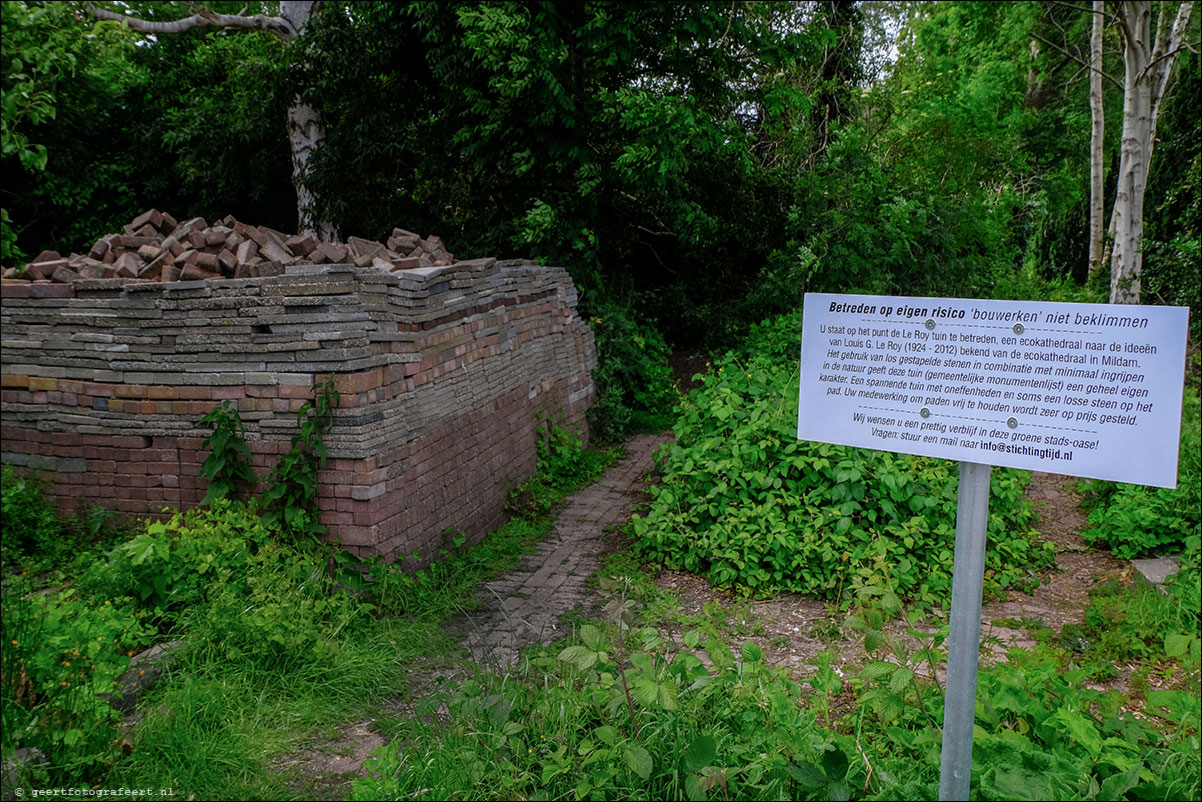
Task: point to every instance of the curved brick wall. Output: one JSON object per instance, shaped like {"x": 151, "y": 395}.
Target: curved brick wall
{"x": 442, "y": 370}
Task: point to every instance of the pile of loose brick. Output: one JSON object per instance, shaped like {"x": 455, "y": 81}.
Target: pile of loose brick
{"x": 155, "y": 247}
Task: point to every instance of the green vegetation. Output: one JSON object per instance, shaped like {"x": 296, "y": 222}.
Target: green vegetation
{"x": 632, "y": 377}
{"x": 229, "y": 457}
{"x": 290, "y": 499}
{"x": 745, "y": 504}
{"x": 697, "y": 167}
{"x": 37, "y": 537}
{"x": 275, "y": 639}
{"x": 1123, "y": 626}
{"x": 1138, "y": 521}
{"x": 279, "y": 649}
{"x": 654, "y": 703}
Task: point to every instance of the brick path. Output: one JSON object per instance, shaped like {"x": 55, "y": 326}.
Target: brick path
{"x": 525, "y": 606}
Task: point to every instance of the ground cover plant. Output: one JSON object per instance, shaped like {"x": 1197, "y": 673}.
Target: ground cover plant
{"x": 743, "y": 503}
{"x": 654, "y": 702}
{"x": 1140, "y": 521}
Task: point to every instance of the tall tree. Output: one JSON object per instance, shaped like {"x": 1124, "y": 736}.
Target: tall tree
{"x": 1096, "y": 137}
{"x": 1147, "y": 66}
{"x": 50, "y": 73}
{"x": 306, "y": 131}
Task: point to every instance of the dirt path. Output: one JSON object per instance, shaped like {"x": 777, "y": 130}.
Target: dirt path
{"x": 1063, "y": 597}
{"x": 792, "y": 629}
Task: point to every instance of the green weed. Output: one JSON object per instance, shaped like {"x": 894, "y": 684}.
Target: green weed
{"x": 290, "y": 497}
{"x": 229, "y": 457}
{"x": 1137, "y": 520}
{"x": 59, "y": 660}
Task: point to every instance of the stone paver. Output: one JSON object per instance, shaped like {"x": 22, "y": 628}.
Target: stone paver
{"x": 1157, "y": 571}
{"x": 525, "y": 605}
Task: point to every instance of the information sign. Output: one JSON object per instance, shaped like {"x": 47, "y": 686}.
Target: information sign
{"x": 1080, "y": 389}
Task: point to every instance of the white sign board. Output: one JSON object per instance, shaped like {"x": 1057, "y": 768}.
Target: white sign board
{"x": 1080, "y": 389}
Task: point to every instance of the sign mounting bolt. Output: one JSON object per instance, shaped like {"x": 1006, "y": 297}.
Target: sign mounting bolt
{"x": 1018, "y": 328}
{"x": 930, "y": 324}
{"x": 1012, "y": 423}
{"x": 925, "y": 412}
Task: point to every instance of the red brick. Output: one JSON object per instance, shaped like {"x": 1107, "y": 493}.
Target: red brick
{"x": 294, "y": 391}
{"x": 161, "y": 392}
{"x": 229, "y": 392}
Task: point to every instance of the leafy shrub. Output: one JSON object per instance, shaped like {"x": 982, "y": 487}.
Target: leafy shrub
{"x": 59, "y": 655}
{"x": 745, "y": 504}
{"x": 218, "y": 574}
{"x": 1137, "y": 520}
{"x": 172, "y": 563}
{"x": 30, "y": 522}
{"x": 632, "y": 378}
{"x": 563, "y": 462}
{"x": 1042, "y": 733}
{"x": 38, "y": 539}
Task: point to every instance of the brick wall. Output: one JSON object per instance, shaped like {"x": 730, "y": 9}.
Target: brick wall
{"x": 442, "y": 372}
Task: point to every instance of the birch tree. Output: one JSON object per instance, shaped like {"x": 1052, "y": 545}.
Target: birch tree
{"x": 1147, "y": 66}
{"x": 306, "y": 130}
{"x": 1096, "y": 138}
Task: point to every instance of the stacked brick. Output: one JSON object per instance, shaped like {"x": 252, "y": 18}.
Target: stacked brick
{"x": 444, "y": 372}
{"x": 155, "y": 247}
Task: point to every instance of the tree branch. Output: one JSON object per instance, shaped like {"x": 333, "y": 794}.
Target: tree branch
{"x": 277, "y": 26}
{"x": 1084, "y": 64}
{"x": 1083, "y": 9}
{"x": 1167, "y": 48}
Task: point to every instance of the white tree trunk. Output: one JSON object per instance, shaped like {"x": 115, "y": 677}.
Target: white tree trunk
{"x": 1146, "y": 67}
{"x": 1126, "y": 258}
{"x": 306, "y": 132}
{"x": 1097, "y": 129}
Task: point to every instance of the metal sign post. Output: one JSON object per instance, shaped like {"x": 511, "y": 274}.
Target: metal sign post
{"x": 964, "y": 630}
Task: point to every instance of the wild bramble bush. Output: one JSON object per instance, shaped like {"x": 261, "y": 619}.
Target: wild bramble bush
{"x": 745, "y": 504}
